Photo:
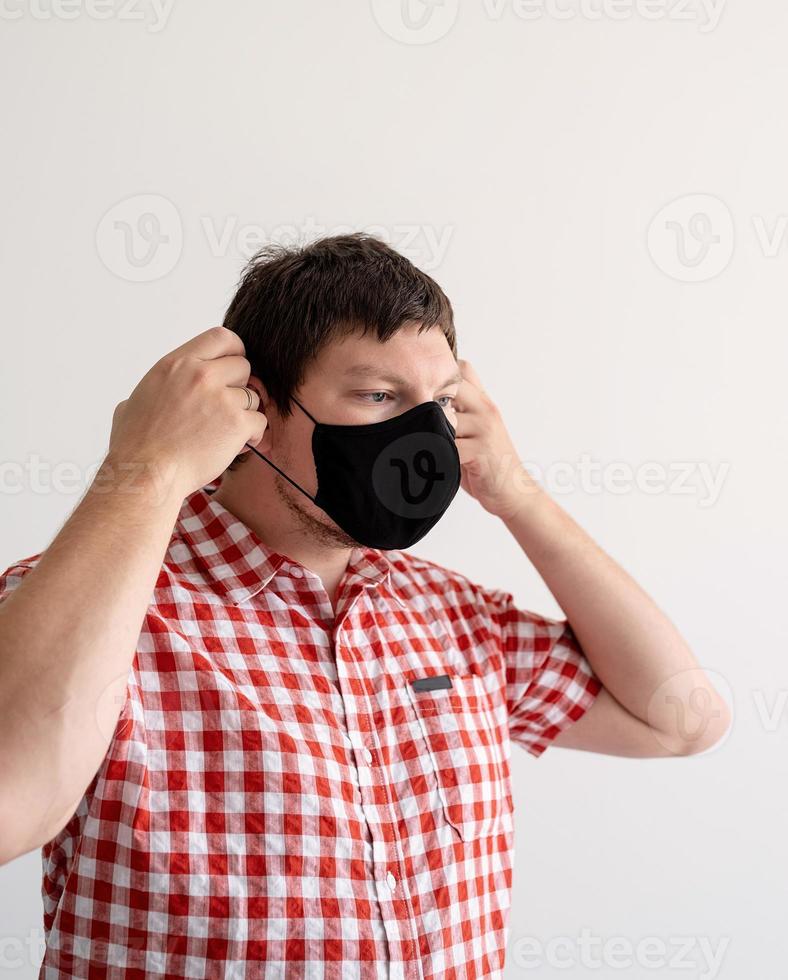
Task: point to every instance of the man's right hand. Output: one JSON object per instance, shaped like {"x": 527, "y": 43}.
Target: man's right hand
{"x": 70, "y": 622}
{"x": 187, "y": 418}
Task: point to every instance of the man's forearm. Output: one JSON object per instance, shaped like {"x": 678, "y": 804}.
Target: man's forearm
{"x": 631, "y": 644}
{"x": 68, "y": 635}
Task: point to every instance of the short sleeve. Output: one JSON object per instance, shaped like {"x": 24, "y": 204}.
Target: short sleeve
{"x": 12, "y": 577}
{"x": 549, "y": 681}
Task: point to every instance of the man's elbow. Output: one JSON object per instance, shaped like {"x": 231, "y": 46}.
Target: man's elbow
{"x": 713, "y": 730}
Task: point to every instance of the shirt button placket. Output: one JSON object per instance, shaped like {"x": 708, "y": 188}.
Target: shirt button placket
{"x": 392, "y": 891}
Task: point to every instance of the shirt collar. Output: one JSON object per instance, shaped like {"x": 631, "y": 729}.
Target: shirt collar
{"x": 240, "y": 564}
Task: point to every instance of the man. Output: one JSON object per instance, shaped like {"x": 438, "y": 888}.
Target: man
{"x": 254, "y": 736}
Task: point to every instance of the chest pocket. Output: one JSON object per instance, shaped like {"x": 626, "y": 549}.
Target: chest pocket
{"x": 469, "y": 748}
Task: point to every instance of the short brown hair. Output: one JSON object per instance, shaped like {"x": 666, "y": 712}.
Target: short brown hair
{"x": 293, "y": 300}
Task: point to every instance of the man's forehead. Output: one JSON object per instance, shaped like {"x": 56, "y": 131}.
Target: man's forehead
{"x": 379, "y": 372}
{"x": 407, "y": 356}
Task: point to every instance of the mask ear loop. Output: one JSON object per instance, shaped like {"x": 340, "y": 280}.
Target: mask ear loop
{"x": 281, "y": 472}
{"x": 304, "y": 410}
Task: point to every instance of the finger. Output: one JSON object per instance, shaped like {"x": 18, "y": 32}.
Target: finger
{"x": 468, "y": 398}
{"x": 464, "y": 431}
{"x": 469, "y": 373}
{"x": 243, "y": 400}
{"x": 214, "y": 342}
{"x": 258, "y": 423}
{"x": 463, "y": 426}
{"x": 468, "y": 451}
{"x": 232, "y": 370}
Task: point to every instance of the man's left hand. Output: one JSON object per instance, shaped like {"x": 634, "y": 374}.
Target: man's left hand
{"x": 491, "y": 469}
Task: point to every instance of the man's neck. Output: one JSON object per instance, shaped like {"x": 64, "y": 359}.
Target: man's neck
{"x": 257, "y": 505}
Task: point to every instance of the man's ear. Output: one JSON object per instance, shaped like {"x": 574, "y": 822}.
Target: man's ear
{"x": 265, "y": 406}
{"x": 257, "y": 385}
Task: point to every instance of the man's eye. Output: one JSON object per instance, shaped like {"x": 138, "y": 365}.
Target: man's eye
{"x": 448, "y": 398}
{"x": 373, "y": 395}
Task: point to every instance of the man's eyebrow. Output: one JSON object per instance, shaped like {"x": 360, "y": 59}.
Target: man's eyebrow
{"x": 372, "y": 371}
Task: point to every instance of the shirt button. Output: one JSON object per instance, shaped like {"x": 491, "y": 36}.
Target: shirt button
{"x": 296, "y": 572}
{"x": 391, "y": 880}
{"x": 367, "y": 755}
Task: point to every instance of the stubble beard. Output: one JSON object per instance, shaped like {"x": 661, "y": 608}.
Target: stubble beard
{"x": 327, "y": 534}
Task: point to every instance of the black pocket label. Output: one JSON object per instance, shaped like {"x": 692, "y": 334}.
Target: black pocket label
{"x": 438, "y": 683}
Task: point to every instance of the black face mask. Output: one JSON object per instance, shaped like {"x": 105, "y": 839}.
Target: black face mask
{"x": 385, "y": 483}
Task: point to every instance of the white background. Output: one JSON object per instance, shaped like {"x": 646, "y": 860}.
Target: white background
{"x": 521, "y": 160}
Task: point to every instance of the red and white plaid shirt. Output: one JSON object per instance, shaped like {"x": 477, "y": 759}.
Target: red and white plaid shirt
{"x": 278, "y": 800}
